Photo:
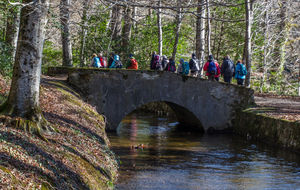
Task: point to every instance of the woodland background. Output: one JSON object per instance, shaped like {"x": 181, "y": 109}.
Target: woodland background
{"x": 176, "y": 28}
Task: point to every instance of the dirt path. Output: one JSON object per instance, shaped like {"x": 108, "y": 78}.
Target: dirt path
{"x": 282, "y": 107}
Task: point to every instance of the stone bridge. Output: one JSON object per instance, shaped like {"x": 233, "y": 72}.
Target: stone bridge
{"x": 202, "y": 104}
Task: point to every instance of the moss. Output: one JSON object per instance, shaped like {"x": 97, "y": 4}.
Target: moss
{"x": 94, "y": 178}
{"x": 13, "y": 178}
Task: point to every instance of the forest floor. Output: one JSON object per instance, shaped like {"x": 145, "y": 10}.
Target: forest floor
{"x": 278, "y": 106}
{"x": 76, "y": 155}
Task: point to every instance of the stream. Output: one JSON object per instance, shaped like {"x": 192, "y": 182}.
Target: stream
{"x": 177, "y": 157}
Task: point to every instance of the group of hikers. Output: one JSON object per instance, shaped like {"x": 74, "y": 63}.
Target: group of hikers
{"x": 113, "y": 62}
{"x": 213, "y": 71}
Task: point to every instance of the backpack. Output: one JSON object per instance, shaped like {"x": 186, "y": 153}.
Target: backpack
{"x": 186, "y": 67}
{"x": 243, "y": 70}
{"x": 230, "y": 68}
{"x": 104, "y": 62}
{"x": 212, "y": 68}
{"x": 157, "y": 63}
{"x": 96, "y": 62}
{"x": 172, "y": 68}
{"x": 195, "y": 66}
{"x": 134, "y": 64}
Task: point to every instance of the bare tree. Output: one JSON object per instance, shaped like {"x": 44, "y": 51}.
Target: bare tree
{"x": 12, "y": 28}
{"x": 160, "y": 45}
{"x": 116, "y": 27}
{"x": 65, "y": 33}
{"x": 200, "y": 34}
{"x": 208, "y": 27}
{"x": 84, "y": 23}
{"x": 249, "y": 18}
{"x": 177, "y": 30}
{"x": 127, "y": 28}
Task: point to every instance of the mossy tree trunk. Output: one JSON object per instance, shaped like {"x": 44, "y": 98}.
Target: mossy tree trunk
{"x": 23, "y": 100}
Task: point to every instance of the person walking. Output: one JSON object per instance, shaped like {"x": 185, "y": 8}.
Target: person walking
{"x": 171, "y": 65}
{"x": 111, "y": 59}
{"x": 132, "y": 63}
{"x": 116, "y": 63}
{"x": 227, "y": 69}
{"x": 194, "y": 65}
{"x": 103, "y": 63}
{"x": 157, "y": 63}
{"x": 185, "y": 67}
{"x": 179, "y": 69}
{"x": 240, "y": 73}
{"x": 164, "y": 62}
{"x": 95, "y": 61}
{"x": 152, "y": 60}
{"x": 212, "y": 69}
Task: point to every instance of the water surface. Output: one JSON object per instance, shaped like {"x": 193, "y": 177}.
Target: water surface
{"x": 181, "y": 158}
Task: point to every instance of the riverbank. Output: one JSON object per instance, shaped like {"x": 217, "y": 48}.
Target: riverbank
{"x": 77, "y": 154}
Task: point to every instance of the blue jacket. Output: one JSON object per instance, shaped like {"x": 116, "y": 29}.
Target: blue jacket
{"x": 239, "y": 67}
{"x": 116, "y": 58}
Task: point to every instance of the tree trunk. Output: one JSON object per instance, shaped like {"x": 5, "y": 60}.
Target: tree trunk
{"x": 117, "y": 28}
{"x": 23, "y": 100}
{"x": 177, "y": 30}
{"x": 282, "y": 43}
{"x": 84, "y": 22}
{"x": 221, "y": 36}
{"x": 200, "y": 35}
{"x": 208, "y": 28}
{"x": 109, "y": 20}
{"x": 160, "y": 45}
{"x": 12, "y": 29}
{"x": 65, "y": 33}
{"x": 266, "y": 25}
{"x": 249, "y": 17}
{"x": 134, "y": 13}
{"x": 127, "y": 30}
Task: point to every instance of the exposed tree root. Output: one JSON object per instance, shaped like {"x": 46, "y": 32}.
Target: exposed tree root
{"x": 30, "y": 126}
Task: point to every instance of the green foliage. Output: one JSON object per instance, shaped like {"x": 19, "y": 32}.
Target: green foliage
{"x": 6, "y": 59}
{"x": 51, "y": 56}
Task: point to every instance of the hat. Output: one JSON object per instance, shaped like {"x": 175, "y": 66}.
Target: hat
{"x": 130, "y": 55}
{"x": 181, "y": 60}
{"x": 193, "y": 54}
{"x": 211, "y": 58}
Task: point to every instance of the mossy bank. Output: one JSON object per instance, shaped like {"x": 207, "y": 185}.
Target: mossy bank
{"x": 255, "y": 125}
{"x": 76, "y": 155}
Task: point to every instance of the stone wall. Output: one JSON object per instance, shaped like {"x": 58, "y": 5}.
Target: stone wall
{"x": 159, "y": 107}
{"x": 273, "y": 131}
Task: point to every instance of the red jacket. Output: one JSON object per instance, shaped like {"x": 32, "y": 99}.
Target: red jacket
{"x": 205, "y": 68}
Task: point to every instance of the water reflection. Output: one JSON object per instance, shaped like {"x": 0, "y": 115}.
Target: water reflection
{"x": 181, "y": 158}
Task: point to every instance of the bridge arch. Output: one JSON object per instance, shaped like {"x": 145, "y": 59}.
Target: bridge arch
{"x": 184, "y": 116}
{"x": 199, "y": 103}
